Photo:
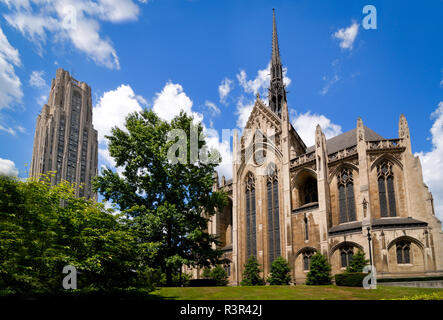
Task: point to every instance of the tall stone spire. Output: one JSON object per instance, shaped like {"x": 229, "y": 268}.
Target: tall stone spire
{"x": 277, "y": 92}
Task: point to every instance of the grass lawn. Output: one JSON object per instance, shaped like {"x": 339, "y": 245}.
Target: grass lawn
{"x": 299, "y": 292}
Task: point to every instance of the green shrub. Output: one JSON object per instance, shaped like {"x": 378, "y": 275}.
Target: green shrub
{"x": 219, "y": 275}
{"x": 280, "y": 272}
{"x": 206, "y": 274}
{"x": 177, "y": 279}
{"x": 358, "y": 262}
{"x": 320, "y": 271}
{"x": 350, "y": 279}
{"x": 251, "y": 275}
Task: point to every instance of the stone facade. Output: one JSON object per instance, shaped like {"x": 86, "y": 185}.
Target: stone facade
{"x": 65, "y": 140}
{"x": 328, "y": 197}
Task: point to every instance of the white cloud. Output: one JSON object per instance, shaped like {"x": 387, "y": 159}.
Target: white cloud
{"x": 7, "y": 168}
{"x": 8, "y": 130}
{"x": 21, "y": 129}
{"x": 42, "y": 99}
{"x": 261, "y": 82}
{"x": 224, "y": 148}
{"x": 329, "y": 82}
{"x": 432, "y": 161}
{"x": 224, "y": 88}
{"x": 10, "y": 84}
{"x": 305, "y": 124}
{"x": 214, "y": 109}
{"x": 36, "y": 79}
{"x": 77, "y": 21}
{"x": 171, "y": 100}
{"x": 244, "y": 109}
{"x": 112, "y": 109}
{"x": 347, "y": 36}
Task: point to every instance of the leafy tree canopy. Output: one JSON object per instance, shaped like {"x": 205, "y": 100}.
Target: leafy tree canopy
{"x": 169, "y": 202}
{"x": 38, "y": 237}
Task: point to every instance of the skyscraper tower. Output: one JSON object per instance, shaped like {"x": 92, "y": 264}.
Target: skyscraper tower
{"x": 65, "y": 140}
{"x": 277, "y": 91}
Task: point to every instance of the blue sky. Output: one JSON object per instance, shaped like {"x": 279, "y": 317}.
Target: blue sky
{"x": 166, "y": 53}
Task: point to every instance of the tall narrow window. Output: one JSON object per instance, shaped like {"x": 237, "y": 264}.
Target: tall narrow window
{"x": 251, "y": 243}
{"x": 308, "y": 192}
{"x": 403, "y": 252}
{"x": 346, "y": 197}
{"x": 306, "y": 229}
{"x": 346, "y": 253}
{"x": 273, "y": 218}
{"x": 307, "y": 254}
{"x": 386, "y": 191}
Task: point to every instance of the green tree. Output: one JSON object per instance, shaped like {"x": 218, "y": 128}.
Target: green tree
{"x": 206, "y": 274}
{"x": 280, "y": 272}
{"x": 218, "y": 273}
{"x": 320, "y": 271}
{"x": 251, "y": 274}
{"x": 357, "y": 262}
{"x": 169, "y": 203}
{"x": 38, "y": 237}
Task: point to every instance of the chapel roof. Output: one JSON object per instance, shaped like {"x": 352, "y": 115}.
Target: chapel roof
{"x": 347, "y": 139}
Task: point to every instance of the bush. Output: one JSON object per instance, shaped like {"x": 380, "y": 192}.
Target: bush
{"x": 350, "y": 279}
{"x": 219, "y": 275}
{"x": 358, "y": 262}
{"x": 320, "y": 271}
{"x": 206, "y": 274}
{"x": 177, "y": 279}
{"x": 251, "y": 275}
{"x": 280, "y": 272}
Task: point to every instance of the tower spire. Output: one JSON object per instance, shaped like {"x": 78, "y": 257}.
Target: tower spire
{"x": 277, "y": 92}
{"x": 275, "y": 49}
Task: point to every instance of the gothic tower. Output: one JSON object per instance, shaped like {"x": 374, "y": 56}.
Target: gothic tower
{"x": 65, "y": 140}
{"x": 277, "y": 91}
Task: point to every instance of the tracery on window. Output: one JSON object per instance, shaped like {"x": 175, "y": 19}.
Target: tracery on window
{"x": 273, "y": 217}
{"x": 251, "y": 243}
{"x": 346, "y": 254}
{"x": 403, "y": 249}
{"x": 346, "y": 197}
{"x": 386, "y": 191}
{"x": 307, "y": 255}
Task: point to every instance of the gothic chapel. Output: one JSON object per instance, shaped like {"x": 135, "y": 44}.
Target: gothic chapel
{"x": 287, "y": 199}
